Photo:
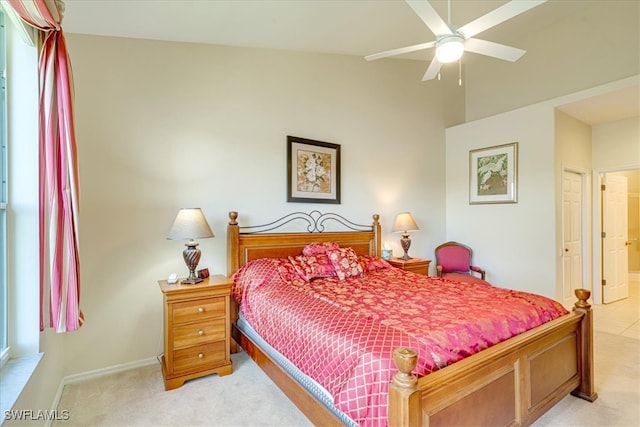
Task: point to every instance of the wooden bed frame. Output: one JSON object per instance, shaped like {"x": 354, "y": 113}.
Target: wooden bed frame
{"x": 512, "y": 383}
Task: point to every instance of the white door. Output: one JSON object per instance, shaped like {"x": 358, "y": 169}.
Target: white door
{"x": 615, "y": 284}
{"x": 572, "y": 236}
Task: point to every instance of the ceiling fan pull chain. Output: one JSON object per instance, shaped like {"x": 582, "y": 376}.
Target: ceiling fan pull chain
{"x": 459, "y": 72}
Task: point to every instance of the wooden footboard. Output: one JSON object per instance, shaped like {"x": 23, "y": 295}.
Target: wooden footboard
{"x": 510, "y": 384}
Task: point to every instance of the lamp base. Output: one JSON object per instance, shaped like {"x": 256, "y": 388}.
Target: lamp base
{"x": 191, "y": 256}
{"x": 191, "y": 281}
{"x": 405, "y": 242}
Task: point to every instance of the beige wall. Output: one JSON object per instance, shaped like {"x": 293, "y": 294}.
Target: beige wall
{"x": 167, "y": 125}
{"x": 572, "y": 154}
{"x": 624, "y": 135}
{"x": 581, "y": 50}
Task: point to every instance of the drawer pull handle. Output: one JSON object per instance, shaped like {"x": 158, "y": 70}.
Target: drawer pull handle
{"x": 201, "y": 332}
{"x": 200, "y": 309}
{"x": 200, "y": 356}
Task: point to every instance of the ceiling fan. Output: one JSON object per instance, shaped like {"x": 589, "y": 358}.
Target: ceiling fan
{"x": 451, "y": 41}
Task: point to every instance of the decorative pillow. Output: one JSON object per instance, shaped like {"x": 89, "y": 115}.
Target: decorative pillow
{"x": 373, "y": 263}
{"x": 313, "y": 266}
{"x": 287, "y": 271}
{"x": 345, "y": 262}
{"x": 319, "y": 248}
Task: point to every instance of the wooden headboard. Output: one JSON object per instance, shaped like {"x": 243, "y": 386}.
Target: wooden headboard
{"x": 264, "y": 241}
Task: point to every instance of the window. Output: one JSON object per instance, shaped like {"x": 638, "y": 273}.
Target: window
{"x": 3, "y": 198}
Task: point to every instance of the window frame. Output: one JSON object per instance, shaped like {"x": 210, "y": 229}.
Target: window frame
{"x": 4, "y": 315}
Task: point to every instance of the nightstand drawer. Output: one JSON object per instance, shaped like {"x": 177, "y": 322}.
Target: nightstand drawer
{"x": 198, "y": 356}
{"x": 190, "y": 311}
{"x": 198, "y": 333}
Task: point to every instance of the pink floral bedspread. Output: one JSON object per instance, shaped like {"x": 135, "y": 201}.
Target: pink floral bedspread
{"x": 342, "y": 333}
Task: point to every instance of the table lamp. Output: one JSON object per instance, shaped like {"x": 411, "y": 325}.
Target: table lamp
{"x": 190, "y": 224}
{"x": 404, "y": 223}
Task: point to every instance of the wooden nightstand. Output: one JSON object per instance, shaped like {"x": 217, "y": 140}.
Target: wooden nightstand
{"x": 416, "y": 265}
{"x": 197, "y": 330}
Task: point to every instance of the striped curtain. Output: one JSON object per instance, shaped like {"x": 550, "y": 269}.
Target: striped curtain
{"x": 59, "y": 260}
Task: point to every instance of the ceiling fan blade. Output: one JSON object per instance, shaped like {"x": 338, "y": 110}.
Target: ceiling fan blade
{"x": 400, "y": 51}
{"x": 430, "y": 17}
{"x": 433, "y": 70}
{"x": 497, "y": 50}
{"x": 497, "y": 16}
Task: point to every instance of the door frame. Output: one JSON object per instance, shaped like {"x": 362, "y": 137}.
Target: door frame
{"x": 596, "y": 285}
{"x": 584, "y": 227}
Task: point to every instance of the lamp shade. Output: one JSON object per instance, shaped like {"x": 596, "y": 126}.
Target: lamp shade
{"x": 404, "y": 222}
{"x": 190, "y": 223}
{"x": 450, "y": 49}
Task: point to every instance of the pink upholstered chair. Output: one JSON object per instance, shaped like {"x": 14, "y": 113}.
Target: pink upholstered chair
{"x": 453, "y": 257}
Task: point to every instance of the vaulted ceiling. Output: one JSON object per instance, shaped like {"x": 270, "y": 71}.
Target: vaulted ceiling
{"x": 349, "y": 27}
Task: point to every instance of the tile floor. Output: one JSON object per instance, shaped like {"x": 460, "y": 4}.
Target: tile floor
{"x": 620, "y": 317}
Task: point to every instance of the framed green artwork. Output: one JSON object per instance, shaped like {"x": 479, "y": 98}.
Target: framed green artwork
{"x": 493, "y": 174}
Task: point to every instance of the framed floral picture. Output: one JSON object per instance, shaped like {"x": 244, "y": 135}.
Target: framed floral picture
{"x": 493, "y": 174}
{"x": 313, "y": 171}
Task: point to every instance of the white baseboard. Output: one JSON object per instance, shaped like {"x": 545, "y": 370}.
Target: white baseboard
{"x": 83, "y": 376}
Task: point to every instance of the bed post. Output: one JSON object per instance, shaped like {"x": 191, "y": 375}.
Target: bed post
{"x": 586, "y": 389}
{"x": 377, "y": 235}
{"x": 233, "y": 263}
{"x": 233, "y": 236}
{"x": 404, "y": 398}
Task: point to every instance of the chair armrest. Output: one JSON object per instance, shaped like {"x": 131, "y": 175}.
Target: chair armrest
{"x": 439, "y": 270}
{"x": 478, "y": 270}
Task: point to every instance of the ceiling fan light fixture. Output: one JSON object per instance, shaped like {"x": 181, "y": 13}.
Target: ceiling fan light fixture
{"x": 450, "y": 48}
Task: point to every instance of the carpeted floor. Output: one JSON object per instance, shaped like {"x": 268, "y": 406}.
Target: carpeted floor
{"x": 137, "y": 398}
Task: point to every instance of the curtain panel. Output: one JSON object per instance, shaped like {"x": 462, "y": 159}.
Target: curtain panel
{"x": 58, "y": 170}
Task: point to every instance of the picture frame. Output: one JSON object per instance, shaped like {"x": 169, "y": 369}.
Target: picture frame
{"x": 313, "y": 171}
{"x": 493, "y": 174}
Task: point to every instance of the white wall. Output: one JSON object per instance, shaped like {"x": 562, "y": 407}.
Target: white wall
{"x": 513, "y": 242}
